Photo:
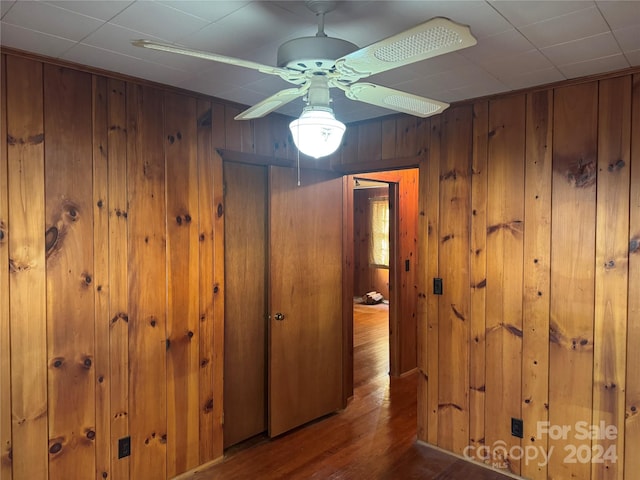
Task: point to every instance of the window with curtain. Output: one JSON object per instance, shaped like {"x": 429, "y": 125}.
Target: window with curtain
{"x": 379, "y": 238}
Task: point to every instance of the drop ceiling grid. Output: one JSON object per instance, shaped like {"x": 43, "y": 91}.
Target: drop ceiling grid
{"x": 520, "y": 43}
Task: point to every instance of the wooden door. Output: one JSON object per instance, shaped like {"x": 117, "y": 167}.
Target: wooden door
{"x": 245, "y": 329}
{"x": 305, "y": 270}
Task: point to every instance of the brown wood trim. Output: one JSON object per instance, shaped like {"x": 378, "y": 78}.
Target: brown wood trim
{"x": 257, "y": 159}
{"x": 253, "y": 158}
{"x": 382, "y": 165}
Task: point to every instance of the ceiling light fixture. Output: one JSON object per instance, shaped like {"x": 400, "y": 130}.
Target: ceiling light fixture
{"x": 317, "y": 133}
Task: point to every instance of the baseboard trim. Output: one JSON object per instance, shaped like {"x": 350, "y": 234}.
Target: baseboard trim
{"x": 198, "y": 469}
{"x": 475, "y": 462}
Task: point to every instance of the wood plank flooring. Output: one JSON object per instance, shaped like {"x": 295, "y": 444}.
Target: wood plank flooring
{"x": 374, "y": 437}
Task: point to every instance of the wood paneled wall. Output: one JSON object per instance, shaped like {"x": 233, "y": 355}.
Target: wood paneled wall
{"x": 111, "y": 294}
{"x": 530, "y": 208}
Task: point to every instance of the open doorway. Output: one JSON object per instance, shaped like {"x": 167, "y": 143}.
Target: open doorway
{"x": 402, "y": 272}
{"x": 372, "y": 259}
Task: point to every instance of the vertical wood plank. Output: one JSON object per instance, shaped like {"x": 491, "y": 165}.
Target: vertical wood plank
{"x": 408, "y": 211}
{"x": 218, "y": 304}
{"x": 432, "y": 191}
{"x": 422, "y": 280}
{"x": 423, "y": 292}
{"x": 183, "y": 413}
{"x": 453, "y": 347}
{"x": 406, "y": 138}
{"x": 369, "y": 142}
{"x": 245, "y": 333}
{"x": 348, "y": 286}
{"x": 27, "y": 281}
{"x": 572, "y": 270}
{"x": 205, "y": 219}
{"x": 632, "y": 423}
{"x": 118, "y": 205}
{"x": 5, "y": 341}
{"x": 612, "y": 255}
{"x": 505, "y": 216}
{"x": 537, "y": 250}
{"x": 70, "y": 282}
{"x": 101, "y": 274}
{"x": 388, "y": 128}
{"x": 147, "y": 283}
{"x": 478, "y": 274}
{"x": 219, "y": 133}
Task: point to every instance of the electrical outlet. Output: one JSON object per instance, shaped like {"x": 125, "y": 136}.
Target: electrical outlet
{"x": 517, "y": 427}
{"x": 437, "y": 286}
{"x": 124, "y": 447}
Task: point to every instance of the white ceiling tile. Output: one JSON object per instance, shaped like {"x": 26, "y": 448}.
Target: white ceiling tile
{"x": 521, "y": 13}
{"x": 155, "y": 72}
{"x": 442, "y": 63}
{"x": 118, "y": 39}
{"x": 533, "y": 78}
{"x": 591, "y": 67}
{"x": 91, "y": 8}
{"x": 633, "y": 57}
{"x": 583, "y": 23}
{"x": 96, "y": 57}
{"x": 598, "y": 46}
{"x": 507, "y": 43}
{"x": 508, "y": 67}
{"x": 32, "y": 41}
{"x": 211, "y": 11}
{"x": 52, "y": 20}
{"x": 159, "y": 20}
{"x": 206, "y": 84}
{"x": 628, "y": 38}
{"x": 5, "y": 5}
{"x": 620, "y": 14}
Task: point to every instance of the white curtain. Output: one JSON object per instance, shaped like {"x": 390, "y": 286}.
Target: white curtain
{"x": 379, "y": 238}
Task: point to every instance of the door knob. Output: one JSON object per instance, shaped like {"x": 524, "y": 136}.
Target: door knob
{"x": 279, "y": 316}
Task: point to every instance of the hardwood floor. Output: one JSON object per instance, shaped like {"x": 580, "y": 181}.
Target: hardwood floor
{"x": 374, "y": 437}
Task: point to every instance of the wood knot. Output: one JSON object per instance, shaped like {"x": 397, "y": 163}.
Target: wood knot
{"x": 87, "y": 279}
{"x": 220, "y": 210}
{"x": 152, "y": 322}
{"x": 216, "y": 288}
{"x": 614, "y": 167}
{"x": 87, "y": 363}
{"x": 583, "y": 174}
{"x": 190, "y": 334}
{"x": 187, "y": 218}
{"x": 57, "y": 362}
{"x": 179, "y": 220}
{"x": 100, "y": 379}
{"x": 609, "y": 265}
{"x": 204, "y": 362}
{"x": 201, "y": 237}
{"x": 208, "y": 406}
{"x": 91, "y": 434}
{"x": 634, "y": 245}
{"x": 55, "y": 448}
{"x": 105, "y": 474}
{"x": 100, "y": 203}
{"x": 179, "y": 136}
{"x": 171, "y": 139}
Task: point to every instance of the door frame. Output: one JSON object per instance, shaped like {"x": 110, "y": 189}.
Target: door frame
{"x": 395, "y": 181}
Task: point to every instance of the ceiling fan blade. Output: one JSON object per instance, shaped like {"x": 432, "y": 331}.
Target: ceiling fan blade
{"x": 272, "y": 103}
{"x": 394, "y": 99}
{"x": 430, "y": 39}
{"x": 291, "y": 76}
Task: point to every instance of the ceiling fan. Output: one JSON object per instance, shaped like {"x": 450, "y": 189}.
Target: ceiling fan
{"x": 316, "y": 64}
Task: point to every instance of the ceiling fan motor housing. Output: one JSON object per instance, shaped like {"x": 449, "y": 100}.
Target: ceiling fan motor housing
{"x": 313, "y": 53}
